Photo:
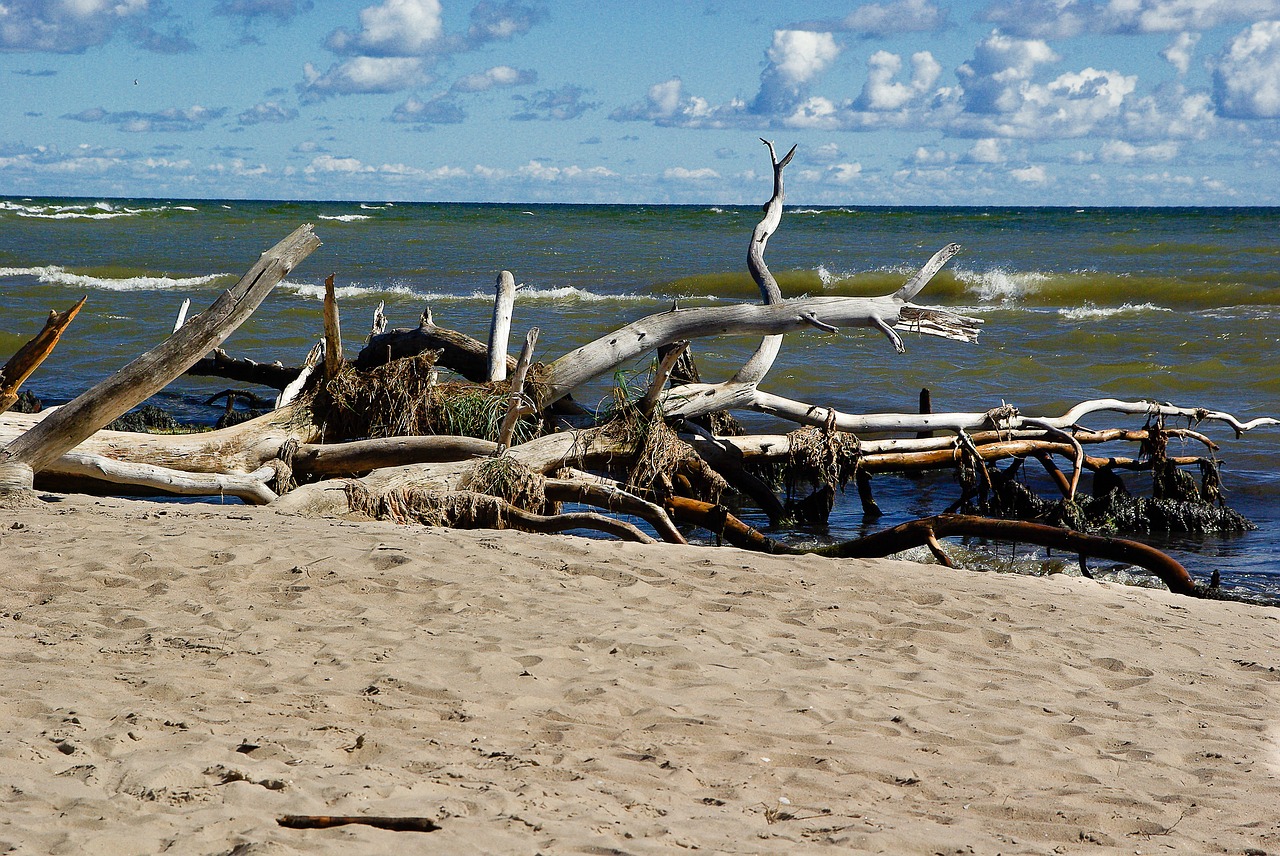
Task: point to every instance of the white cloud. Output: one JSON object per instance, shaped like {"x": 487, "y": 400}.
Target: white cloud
{"x": 363, "y": 75}
{"x": 1180, "y": 50}
{"x": 1030, "y": 175}
{"x": 1122, "y": 152}
{"x": 988, "y": 150}
{"x": 882, "y": 93}
{"x": 1060, "y": 19}
{"x": 796, "y": 57}
{"x": 680, "y": 173}
{"x": 328, "y": 163}
{"x": 192, "y": 118}
{"x": 1246, "y": 75}
{"x": 395, "y": 28}
{"x": 667, "y": 105}
{"x": 498, "y": 76}
{"x": 995, "y": 80}
{"x": 844, "y": 173}
{"x": 440, "y": 110}
{"x": 66, "y": 27}
{"x": 267, "y": 111}
{"x": 903, "y": 16}
{"x": 1172, "y": 16}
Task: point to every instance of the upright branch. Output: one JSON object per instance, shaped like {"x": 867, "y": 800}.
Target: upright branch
{"x": 332, "y": 331}
{"x": 762, "y": 360}
{"x": 500, "y": 327}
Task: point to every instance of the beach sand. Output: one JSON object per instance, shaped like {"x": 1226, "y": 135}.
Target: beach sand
{"x": 177, "y": 677}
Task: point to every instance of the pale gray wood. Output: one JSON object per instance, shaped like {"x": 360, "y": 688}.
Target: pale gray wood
{"x": 500, "y": 326}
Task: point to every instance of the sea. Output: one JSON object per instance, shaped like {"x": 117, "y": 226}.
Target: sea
{"x": 1178, "y": 305}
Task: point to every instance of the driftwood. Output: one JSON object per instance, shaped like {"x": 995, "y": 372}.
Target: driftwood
{"x": 326, "y": 821}
{"x": 281, "y": 459}
{"x": 921, "y": 532}
{"x": 29, "y": 357}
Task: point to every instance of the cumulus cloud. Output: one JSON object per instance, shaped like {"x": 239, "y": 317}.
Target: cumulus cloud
{"x": 997, "y": 78}
{"x": 267, "y": 111}
{"x": 1030, "y": 174}
{"x": 66, "y": 27}
{"x": 1246, "y": 75}
{"x": 363, "y": 75}
{"x": 555, "y": 104}
{"x": 1041, "y": 19}
{"x": 844, "y": 173}
{"x": 170, "y": 119}
{"x": 796, "y": 57}
{"x": 395, "y": 28}
{"x": 1179, "y": 52}
{"x": 882, "y": 92}
{"x": 491, "y": 78}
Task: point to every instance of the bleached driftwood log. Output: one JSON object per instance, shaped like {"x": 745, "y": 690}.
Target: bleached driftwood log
{"x": 500, "y": 326}
{"x": 29, "y": 357}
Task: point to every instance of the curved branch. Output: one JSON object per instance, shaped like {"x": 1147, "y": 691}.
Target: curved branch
{"x": 917, "y": 532}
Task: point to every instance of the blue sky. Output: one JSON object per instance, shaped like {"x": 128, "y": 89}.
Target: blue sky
{"x": 921, "y": 102}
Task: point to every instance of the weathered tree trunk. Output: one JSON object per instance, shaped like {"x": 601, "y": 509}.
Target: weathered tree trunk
{"x": 500, "y": 327}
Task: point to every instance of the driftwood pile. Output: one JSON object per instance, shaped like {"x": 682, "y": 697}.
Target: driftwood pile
{"x": 429, "y": 425}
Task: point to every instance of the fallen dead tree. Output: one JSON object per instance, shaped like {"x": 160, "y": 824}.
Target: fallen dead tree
{"x": 387, "y": 435}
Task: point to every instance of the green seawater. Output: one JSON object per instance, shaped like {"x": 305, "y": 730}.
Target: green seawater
{"x": 1179, "y": 305}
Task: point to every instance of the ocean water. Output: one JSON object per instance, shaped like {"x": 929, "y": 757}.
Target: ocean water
{"x": 1175, "y": 305}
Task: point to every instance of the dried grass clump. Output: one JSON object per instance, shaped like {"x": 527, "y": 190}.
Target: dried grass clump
{"x": 455, "y": 509}
{"x": 820, "y": 457}
{"x": 510, "y": 480}
{"x": 660, "y": 462}
{"x": 403, "y": 398}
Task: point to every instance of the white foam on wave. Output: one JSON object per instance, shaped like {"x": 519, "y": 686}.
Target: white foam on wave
{"x": 999, "y": 285}
{"x": 54, "y": 275}
{"x": 345, "y": 218}
{"x": 86, "y": 211}
{"x": 1090, "y": 312}
{"x": 566, "y": 293}
{"x": 357, "y": 290}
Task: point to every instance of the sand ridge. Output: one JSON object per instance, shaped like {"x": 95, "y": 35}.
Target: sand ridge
{"x": 178, "y": 676}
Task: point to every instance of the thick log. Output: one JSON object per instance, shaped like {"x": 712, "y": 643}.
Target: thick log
{"x": 361, "y": 456}
{"x": 458, "y": 352}
{"x": 70, "y": 424}
{"x": 244, "y": 370}
{"x": 29, "y": 357}
{"x": 252, "y": 488}
{"x": 918, "y": 532}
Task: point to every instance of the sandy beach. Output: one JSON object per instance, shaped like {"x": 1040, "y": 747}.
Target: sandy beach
{"x": 178, "y": 677}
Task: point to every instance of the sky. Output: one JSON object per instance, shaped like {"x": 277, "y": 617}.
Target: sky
{"x": 898, "y": 102}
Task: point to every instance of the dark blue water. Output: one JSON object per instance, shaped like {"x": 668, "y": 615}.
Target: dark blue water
{"x": 1179, "y": 305}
